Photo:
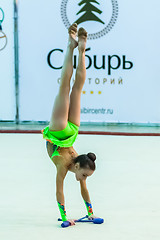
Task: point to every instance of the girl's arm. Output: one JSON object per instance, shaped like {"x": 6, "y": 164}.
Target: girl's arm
{"x": 61, "y": 173}
{"x": 84, "y": 191}
{"x": 86, "y": 198}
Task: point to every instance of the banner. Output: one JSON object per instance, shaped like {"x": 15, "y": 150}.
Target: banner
{"x": 7, "y": 82}
{"x": 122, "y": 58}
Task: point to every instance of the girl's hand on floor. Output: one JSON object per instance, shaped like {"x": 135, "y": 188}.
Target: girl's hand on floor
{"x": 92, "y": 217}
{"x": 72, "y": 222}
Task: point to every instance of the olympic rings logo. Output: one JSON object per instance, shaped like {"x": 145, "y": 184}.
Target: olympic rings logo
{"x": 3, "y": 37}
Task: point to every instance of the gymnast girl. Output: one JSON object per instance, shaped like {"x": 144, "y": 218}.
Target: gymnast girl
{"x": 64, "y": 124}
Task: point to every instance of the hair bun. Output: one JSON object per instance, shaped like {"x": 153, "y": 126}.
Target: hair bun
{"x": 92, "y": 156}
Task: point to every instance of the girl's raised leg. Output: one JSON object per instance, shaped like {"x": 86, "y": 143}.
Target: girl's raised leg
{"x": 60, "y": 110}
{"x": 75, "y": 97}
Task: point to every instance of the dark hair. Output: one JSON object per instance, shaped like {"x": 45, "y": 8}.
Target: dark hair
{"x": 86, "y": 160}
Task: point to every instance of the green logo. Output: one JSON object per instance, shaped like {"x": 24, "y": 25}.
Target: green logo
{"x": 99, "y": 17}
{"x": 88, "y": 8}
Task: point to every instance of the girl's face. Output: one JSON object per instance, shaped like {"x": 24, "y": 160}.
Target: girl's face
{"x": 82, "y": 173}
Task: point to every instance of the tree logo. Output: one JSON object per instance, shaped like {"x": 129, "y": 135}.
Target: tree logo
{"x": 88, "y": 9}
{"x": 98, "y": 16}
{"x": 3, "y": 37}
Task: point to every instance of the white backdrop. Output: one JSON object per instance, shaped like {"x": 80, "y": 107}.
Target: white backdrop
{"x": 123, "y": 96}
{"x": 7, "y": 82}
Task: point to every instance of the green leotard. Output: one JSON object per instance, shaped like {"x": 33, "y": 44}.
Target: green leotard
{"x": 63, "y": 138}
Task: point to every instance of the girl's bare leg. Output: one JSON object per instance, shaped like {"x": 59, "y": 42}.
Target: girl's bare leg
{"x": 75, "y": 97}
{"x": 59, "y": 115}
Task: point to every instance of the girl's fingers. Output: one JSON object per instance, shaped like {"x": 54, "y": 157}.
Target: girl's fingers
{"x": 72, "y": 222}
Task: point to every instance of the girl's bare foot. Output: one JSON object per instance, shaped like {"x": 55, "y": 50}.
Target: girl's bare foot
{"x": 82, "y": 39}
{"x": 72, "y": 35}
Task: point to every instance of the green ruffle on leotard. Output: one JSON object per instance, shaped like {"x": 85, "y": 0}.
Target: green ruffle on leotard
{"x": 63, "y": 138}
